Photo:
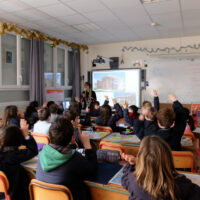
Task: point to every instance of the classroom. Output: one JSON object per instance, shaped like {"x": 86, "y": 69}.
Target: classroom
{"x": 99, "y": 99}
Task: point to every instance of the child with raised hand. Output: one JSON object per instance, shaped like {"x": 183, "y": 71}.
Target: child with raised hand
{"x": 11, "y": 157}
{"x": 166, "y": 117}
{"x": 147, "y": 125}
{"x": 11, "y": 116}
{"x": 152, "y": 175}
{"x": 59, "y": 164}
{"x": 106, "y": 118}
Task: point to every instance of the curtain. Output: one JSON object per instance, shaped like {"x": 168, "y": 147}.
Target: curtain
{"x": 37, "y": 86}
{"x": 76, "y": 84}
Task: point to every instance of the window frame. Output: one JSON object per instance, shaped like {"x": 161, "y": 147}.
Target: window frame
{"x": 55, "y": 68}
{"x": 19, "y": 85}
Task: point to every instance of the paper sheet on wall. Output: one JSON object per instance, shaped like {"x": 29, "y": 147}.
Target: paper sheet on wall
{"x": 55, "y": 95}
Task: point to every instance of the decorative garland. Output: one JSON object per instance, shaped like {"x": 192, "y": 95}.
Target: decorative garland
{"x": 166, "y": 49}
{"x": 36, "y": 35}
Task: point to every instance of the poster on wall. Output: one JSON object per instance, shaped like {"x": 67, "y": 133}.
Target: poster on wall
{"x": 55, "y": 95}
{"x": 9, "y": 57}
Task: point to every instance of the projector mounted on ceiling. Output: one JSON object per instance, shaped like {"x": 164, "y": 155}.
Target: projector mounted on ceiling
{"x": 100, "y": 60}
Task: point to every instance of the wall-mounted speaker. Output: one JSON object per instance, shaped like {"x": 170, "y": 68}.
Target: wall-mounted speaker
{"x": 114, "y": 64}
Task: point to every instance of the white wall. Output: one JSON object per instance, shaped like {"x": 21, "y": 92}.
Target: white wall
{"x": 115, "y": 50}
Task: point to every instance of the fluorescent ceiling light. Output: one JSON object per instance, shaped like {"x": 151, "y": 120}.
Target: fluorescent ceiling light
{"x": 86, "y": 27}
{"x": 151, "y": 1}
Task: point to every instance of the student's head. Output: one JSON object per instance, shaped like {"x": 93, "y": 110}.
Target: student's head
{"x": 11, "y": 135}
{"x": 87, "y": 86}
{"x": 33, "y": 107}
{"x": 165, "y": 118}
{"x": 146, "y": 107}
{"x": 96, "y": 105}
{"x": 53, "y": 108}
{"x": 74, "y": 107}
{"x": 44, "y": 114}
{"x": 151, "y": 115}
{"x": 189, "y": 119}
{"x": 9, "y": 113}
{"x": 61, "y": 132}
{"x": 154, "y": 168}
{"x": 50, "y": 103}
{"x": 71, "y": 116}
{"x": 133, "y": 109}
{"x": 105, "y": 113}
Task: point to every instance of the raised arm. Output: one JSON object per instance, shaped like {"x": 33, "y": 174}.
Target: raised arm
{"x": 138, "y": 127}
{"x": 180, "y": 121}
{"x": 156, "y": 100}
{"x": 127, "y": 118}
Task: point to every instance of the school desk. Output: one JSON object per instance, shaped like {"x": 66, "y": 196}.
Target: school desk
{"x": 130, "y": 143}
{"x": 97, "y": 190}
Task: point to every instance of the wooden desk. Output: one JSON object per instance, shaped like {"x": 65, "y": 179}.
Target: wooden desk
{"x": 97, "y": 191}
{"x": 130, "y": 143}
{"x": 107, "y": 192}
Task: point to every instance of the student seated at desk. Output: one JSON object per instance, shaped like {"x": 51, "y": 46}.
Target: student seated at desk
{"x": 11, "y": 156}
{"x": 43, "y": 125}
{"x": 165, "y": 118}
{"x": 73, "y": 118}
{"x": 106, "y": 118}
{"x": 59, "y": 164}
{"x": 95, "y": 109}
{"x": 152, "y": 175}
{"x": 31, "y": 114}
{"x": 192, "y": 121}
{"x": 53, "y": 108}
{"x": 11, "y": 116}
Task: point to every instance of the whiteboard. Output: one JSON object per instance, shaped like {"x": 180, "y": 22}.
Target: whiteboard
{"x": 180, "y": 77}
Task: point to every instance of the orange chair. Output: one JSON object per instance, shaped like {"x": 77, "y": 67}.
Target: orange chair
{"x": 190, "y": 135}
{"x": 41, "y": 139}
{"x": 183, "y": 160}
{"x": 111, "y": 146}
{"x": 103, "y": 129}
{"x": 121, "y": 120}
{"x": 42, "y": 191}
{"x": 4, "y": 185}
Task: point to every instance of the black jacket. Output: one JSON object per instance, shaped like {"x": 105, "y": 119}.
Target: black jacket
{"x": 72, "y": 173}
{"x": 172, "y": 135}
{"x": 186, "y": 190}
{"x": 10, "y": 164}
{"x": 113, "y": 119}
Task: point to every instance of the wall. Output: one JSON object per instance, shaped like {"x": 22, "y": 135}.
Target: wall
{"x": 115, "y": 50}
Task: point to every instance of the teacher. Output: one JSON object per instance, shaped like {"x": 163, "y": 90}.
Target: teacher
{"x": 88, "y": 96}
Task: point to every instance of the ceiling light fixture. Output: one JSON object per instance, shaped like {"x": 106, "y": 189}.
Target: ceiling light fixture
{"x": 151, "y": 1}
{"x": 154, "y": 24}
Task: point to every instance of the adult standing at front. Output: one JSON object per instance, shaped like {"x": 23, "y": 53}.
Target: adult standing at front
{"x": 88, "y": 96}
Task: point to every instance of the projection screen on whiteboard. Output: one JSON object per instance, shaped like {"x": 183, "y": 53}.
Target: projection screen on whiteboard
{"x": 122, "y": 84}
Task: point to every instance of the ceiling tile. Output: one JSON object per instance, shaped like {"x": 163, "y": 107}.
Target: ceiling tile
{"x": 57, "y": 10}
{"x": 31, "y": 14}
{"x": 190, "y": 4}
{"x": 85, "y": 6}
{"x": 162, "y": 7}
{"x": 38, "y": 3}
{"x": 73, "y": 19}
{"x": 14, "y": 5}
{"x": 100, "y": 15}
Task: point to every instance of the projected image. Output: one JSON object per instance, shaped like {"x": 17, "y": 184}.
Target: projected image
{"x": 123, "y": 85}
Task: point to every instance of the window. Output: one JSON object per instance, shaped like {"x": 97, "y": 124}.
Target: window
{"x": 60, "y": 78}
{"x": 48, "y": 65}
{"x": 9, "y": 61}
{"x": 25, "y": 60}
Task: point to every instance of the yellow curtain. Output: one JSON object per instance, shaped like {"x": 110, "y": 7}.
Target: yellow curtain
{"x": 4, "y": 27}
